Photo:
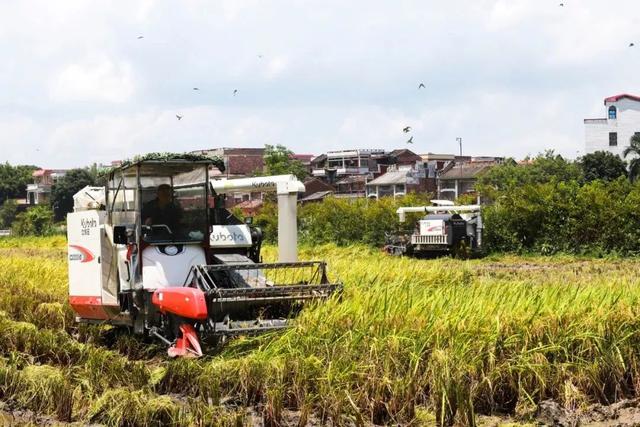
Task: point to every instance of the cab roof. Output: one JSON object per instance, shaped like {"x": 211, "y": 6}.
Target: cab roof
{"x": 159, "y": 164}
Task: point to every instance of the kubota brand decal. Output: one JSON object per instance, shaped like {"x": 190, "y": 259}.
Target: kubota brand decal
{"x": 87, "y": 225}
{"x": 227, "y": 236}
{"x": 85, "y": 254}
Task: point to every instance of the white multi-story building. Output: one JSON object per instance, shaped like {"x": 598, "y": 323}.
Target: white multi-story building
{"x": 614, "y": 132}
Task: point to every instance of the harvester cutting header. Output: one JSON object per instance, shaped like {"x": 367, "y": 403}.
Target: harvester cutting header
{"x": 156, "y": 250}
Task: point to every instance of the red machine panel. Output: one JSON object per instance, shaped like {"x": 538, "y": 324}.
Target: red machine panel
{"x": 89, "y": 307}
{"x": 185, "y": 302}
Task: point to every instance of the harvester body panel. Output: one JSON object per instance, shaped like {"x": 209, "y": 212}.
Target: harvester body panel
{"x": 185, "y": 302}
{"x": 92, "y": 290}
{"x": 168, "y": 265}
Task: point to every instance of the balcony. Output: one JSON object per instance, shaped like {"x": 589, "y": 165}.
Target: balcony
{"x": 319, "y": 172}
{"x": 38, "y": 188}
{"x": 352, "y": 171}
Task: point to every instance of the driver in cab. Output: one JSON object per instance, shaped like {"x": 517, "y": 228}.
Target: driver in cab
{"x": 162, "y": 210}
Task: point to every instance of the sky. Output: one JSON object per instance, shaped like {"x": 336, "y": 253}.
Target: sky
{"x": 94, "y": 81}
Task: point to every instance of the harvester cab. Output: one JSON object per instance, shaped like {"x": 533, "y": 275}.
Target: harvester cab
{"x": 156, "y": 250}
{"x": 444, "y": 229}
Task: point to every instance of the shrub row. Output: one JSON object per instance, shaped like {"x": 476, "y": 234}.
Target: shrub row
{"x": 597, "y": 218}
{"x": 343, "y": 221}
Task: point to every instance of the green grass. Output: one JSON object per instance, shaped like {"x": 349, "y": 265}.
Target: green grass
{"x": 407, "y": 341}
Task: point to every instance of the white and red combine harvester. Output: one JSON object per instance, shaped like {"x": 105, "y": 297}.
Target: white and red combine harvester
{"x": 156, "y": 251}
{"x": 444, "y": 229}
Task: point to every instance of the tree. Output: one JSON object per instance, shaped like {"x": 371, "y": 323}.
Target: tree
{"x": 279, "y": 160}
{"x": 8, "y": 212}
{"x": 35, "y": 221}
{"x": 634, "y": 164}
{"x": 547, "y": 167}
{"x": 602, "y": 165}
{"x": 62, "y": 191}
{"x": 14, "y": 180}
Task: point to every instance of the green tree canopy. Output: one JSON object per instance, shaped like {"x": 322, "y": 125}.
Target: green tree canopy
{"x": 602, "y": 165}
{"x": 14, "y": 180}
{"x": 633, "y": 150}
{"x": 62, "y": 191}
{"x": 547, "y": 167}
{"x": 279, "y": 160}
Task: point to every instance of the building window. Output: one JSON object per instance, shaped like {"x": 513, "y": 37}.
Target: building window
{"x": 613, "y": 113}
{"x": 613, "y": 139}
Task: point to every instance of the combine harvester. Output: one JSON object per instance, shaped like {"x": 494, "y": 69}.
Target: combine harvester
{"x": 156, "y": 251}
{"x": 445, "y": 229}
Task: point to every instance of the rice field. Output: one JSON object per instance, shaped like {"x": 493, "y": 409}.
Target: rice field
{"x": 408, "y": 342}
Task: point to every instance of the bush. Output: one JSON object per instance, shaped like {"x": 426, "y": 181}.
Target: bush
{"x": 8, "y": 212}
{"x": 597, "y": 217}
{"x": 35, "y": 221}
{"x": 343, "y": 221}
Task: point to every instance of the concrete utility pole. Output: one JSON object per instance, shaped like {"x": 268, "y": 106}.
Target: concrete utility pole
{"x": 459, "y": 139}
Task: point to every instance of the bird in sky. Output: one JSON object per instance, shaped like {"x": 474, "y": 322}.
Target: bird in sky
{"x": 410, "y": 140}
{"x": 407, "y": 129}
{"x": 235, "y": 91}
{"x": 421, "y": 86}
{"x": 632, "y": 44}
{"x": 561, "y": 4}
{"x": 179, "y": 117}
{"x": 140, "y": 37}
{"x": 260, "y": 56}
{"x": 196, "y": 88}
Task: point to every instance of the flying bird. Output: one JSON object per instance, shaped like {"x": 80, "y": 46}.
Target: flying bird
{"x": 196, "y": 88}
{"x": 179, "y": 117}
{"x": 407, "y": 129}
{"x": 235, "y": 91}
{"x": 421, "y": 86}
{"x": 561, "y": 4}
{"x": 410, "y": 140}
{"x": 140, "y": 37}
{"x": 632, "y": 44}
{"x": 260, "y": 56}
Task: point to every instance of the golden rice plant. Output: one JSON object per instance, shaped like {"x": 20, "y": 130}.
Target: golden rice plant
{"x": 407, "y": 341}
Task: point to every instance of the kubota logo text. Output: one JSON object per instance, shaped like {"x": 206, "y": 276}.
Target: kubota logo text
{"x": 227, "y": 237}
{"x": 83, "y": 256}
{"x": 87, "y": 225}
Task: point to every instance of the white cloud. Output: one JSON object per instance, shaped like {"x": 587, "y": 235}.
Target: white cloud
{"x": 97, "y": 79}
{"x": 510, "y": 76}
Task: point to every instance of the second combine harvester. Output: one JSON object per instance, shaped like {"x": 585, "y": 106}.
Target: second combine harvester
{"x": 192, "y": 272}
{"x": 444, "y": 229}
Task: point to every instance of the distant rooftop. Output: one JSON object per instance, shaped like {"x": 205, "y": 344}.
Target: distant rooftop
{"x": 466, "y": 170}
{"x": 390, "y": 178}
{"x": 354, "y": 152}
{"x": 616, "y": 98}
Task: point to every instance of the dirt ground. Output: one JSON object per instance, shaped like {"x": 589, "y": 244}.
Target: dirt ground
{"x": 625, "y": 413}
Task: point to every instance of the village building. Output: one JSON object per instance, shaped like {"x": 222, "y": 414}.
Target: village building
{"x": 39, "y": 193}
{"x": 460, "y": 177}
{"x": 333, "y": 166}
{"x": 613, "y": 133}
